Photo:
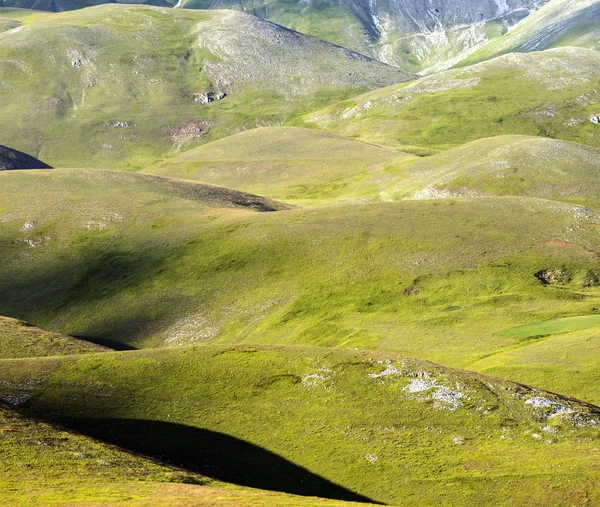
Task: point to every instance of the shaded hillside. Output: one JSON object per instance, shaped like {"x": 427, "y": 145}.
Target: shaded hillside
{"x": 12, "y": 159}
{"x": 114, "y": 256}
{"x": 122, "y": 86}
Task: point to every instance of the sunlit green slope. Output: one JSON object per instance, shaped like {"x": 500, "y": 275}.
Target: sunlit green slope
{"x": 551, "y": 94}
{"x": 292, "y": 164}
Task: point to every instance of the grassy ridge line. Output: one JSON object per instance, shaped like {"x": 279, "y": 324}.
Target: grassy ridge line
{"x": 558, "y": 23}
{"x": 512, "y": 94}
{"x": 365, "y": 420}
{"x": 505, "y": 165}
{"x": 20, "y": 339}
{"x": 297, "y": 165}
{"x": 121, "y": 86}
{"x": 314, "y": 168}
{"x": 113, "y": 256}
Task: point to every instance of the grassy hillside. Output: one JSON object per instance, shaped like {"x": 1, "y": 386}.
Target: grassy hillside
{"x": 506, "y": 165}
{"x": 558, "y": 23}
{"x": 12, "y": 159}
{"x": 112, "y": 256}
{"x": 123, "y": 86}
{"x": 291, "y": 164}
{"x": 20, "y": 339}
{"x": 46, "y": 464}
{"x": 383, "y": 426}
{"x": 550, "y": 94}
{"x": 311, "y": 167}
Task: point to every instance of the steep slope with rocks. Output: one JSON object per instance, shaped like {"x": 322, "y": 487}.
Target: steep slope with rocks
{"x": 418, "y": 35}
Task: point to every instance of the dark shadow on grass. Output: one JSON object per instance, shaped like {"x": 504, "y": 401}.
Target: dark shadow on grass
{"x": 105, "y": 342}
{"x": 213, "y": 455}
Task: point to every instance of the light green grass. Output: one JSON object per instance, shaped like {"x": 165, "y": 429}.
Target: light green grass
{"x": 505, "y": 165}
{"x": 302, "y": 166}
{"x": 512, "y": 94}
{"x": 345, "y": 416}
{"x": 550, "y": 327}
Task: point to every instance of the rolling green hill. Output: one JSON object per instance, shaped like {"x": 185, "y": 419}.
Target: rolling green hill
{"x": 551, "y": 94}
{"x": 506, "y": 165}
{"x": 123, "y": 86}
{"x": 311, "y": 167}
{"x": 300, "y": 165}
{"x": 113, "y": 256}
{"x": 382, "y": 426}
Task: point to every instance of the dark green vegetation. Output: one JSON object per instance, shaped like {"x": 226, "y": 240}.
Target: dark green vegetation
{"x": 121, "y": 87}
{"x": 430, "y": 434}
{"x": 555, "y": 326}
{"x": 551, "y": 94}
{"x": 13, "y": 159}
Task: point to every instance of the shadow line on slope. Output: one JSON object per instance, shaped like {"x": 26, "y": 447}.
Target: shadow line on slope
{"x": 105, "y": 342}
{"x": 213, "y": 454}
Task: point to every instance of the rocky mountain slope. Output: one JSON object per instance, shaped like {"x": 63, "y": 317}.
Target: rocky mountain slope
{"x": 415, "y": 34}
{"x": 558, "y": 23}
{"x": 123, "y": 86}
{"x": 553, "y": 93}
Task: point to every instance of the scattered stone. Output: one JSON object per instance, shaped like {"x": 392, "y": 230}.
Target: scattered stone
{"x": 458, "y": 440}
{"x": 208, "y": 97}
{"x": 371, "y": 458}
{"x": 188, "y": 132}
{"x": 547, "y": 276}
{"x": 204, "y": 98}
{"x": 420, "y": 385}
{"x": 27, "y": 226}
